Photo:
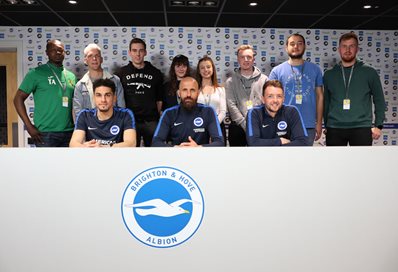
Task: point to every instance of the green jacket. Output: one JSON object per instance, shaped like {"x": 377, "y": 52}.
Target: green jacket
{"x": 364, "y": 88}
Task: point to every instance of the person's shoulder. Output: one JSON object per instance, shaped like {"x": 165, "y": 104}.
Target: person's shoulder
{"x": 290, "y": 109}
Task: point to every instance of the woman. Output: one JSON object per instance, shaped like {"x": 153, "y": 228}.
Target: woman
{"x": 211, "y": 93}
{"x": 179, "y": 68}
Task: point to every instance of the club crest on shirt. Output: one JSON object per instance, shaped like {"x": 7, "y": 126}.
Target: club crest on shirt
{"x": 114, "y": 130}
{"x": 162, "y": 207}
{"x": 198, "y": 121}
{"x": 282, "y": 125}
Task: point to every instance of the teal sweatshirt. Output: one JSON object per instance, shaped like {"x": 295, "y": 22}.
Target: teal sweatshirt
{"x": 364, "y": 88}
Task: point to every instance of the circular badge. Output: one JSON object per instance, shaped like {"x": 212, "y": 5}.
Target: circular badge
{"x": 282, "y": 125}
{"x": 114, "y": 130}
{"x": 198, "y": 121}
{"x": 162, "y": 207}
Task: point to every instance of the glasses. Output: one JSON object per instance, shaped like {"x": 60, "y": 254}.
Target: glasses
{"x": 97, "y": 56}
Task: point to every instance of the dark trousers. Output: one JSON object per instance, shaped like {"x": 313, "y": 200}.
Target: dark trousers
{"x": 351, "y": 136}
{"x": 55, "y": 139}
{"x": 236, "y": 135}
{"x": 145, "y": 129}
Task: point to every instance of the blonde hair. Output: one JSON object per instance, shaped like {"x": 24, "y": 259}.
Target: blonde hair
{"x": 90, "y": 47}
{"x": 245, "y": 47}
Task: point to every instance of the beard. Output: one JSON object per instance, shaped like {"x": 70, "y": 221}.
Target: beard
{"x": 188, "y": 103}
{"x": 348, "y": 58}
{"x": 297, "y": 56}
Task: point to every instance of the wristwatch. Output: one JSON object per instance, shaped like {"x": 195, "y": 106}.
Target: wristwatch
{"x": 111, "y": 144}
{"x": 380, "y": 127}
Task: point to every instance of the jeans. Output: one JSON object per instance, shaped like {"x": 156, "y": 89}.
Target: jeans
{"x": 55, "y": 139}
{"x": 146, "y": 129}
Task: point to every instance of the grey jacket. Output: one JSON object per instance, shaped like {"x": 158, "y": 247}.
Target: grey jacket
{"x": 83, "y": 95}
{"x": 239, "y": 90}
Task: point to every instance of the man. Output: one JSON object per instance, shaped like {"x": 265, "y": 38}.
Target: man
{"x": 303, "y": 85}
{"x": 83, "y": 96}
{"x": 105, "y": 125}
{"x": 143, "y": 90}
{"x": 350, "y": 88}
{"x": 188, "y": 124}
{"x": 274, "y": 124}
{"x": 52, "y": 88}
{"x": 243, "y": 92}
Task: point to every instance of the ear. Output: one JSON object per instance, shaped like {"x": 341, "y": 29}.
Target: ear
{"x": 178, "y": 93}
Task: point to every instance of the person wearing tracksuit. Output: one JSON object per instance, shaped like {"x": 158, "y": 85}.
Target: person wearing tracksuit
{"x": 188, "y": 124}
{"x": 275, "y": 124}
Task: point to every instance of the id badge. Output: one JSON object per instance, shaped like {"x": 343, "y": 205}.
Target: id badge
{"x": 299, "y": 99}
{"x": 65, "y": 101}
{"x": 249, "y": 104}
{"x": 346, "y": 104}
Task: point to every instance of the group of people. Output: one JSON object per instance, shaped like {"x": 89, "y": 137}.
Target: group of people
{"x": 135, "y": 107}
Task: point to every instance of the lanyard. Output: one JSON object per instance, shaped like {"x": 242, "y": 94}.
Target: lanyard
{"x": 298, "y": 78}
{"x": 347, "y": 85}
{"x": 63, "y": 86}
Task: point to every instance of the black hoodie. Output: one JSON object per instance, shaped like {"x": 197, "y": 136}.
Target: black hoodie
{"x": 142, "y": 89}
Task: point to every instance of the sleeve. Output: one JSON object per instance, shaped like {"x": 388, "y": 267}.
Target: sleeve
{"x": 129, "y": 121}
{"x": 162, "y": 131}
{"x": 81, "y": 121}
{"x": 223, "y": 105}
{"x": 120, "y": 102}
{"x": 77, "y": 98}
{"x": 28, "y": 84}
{"x": 232, "y": 103}
{"x": 214, "y": 129}
{"x": 253, "y": 135}
{"x": 160, "y": 88}
{"x": 326, "y": 99}
{"x": 273, "y": 74}
{"x": 378, "y": 99}
{"x": 298, "y": 134}
{"x": 318, "y": 79}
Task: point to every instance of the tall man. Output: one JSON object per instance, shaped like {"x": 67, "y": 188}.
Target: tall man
{"x": 52, "y": 88}
{"x": 243, "y": 91}
{"x": 105, "y": 125}
{"x": 303, "y": 85}
{"x": 274, "y": 124}
{"x": 350, "y": 88}
{"x": 188, "y": 124}
{"x": 143, "y": 90}
{"x": 83, "y": 96}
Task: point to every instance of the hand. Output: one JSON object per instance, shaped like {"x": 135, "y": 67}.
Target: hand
{"x": 376, "y": 133}
{"x": 35, "y": 134}
{"x": 190, "y": 143}
{"x": 91, "y": 143}
{"x": 284, "y": 141}
{"x": 318, "y": 131}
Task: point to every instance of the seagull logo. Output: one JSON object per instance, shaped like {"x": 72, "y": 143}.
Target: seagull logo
{"x": 159, "y": 207}
{"x": 162, "y": 207}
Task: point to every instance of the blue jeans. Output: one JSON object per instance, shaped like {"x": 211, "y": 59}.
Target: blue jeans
{"x": 55, "y": 139}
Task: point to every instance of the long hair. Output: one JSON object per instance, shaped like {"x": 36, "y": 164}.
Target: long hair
{"x": 214, "y": 80}
{"x": 177, "y": 60}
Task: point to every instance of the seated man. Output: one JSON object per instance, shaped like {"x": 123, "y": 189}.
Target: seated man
{"x": 188, "y": 124}
{"x": 274, "y": 124}
{"x": 104, "y": 126}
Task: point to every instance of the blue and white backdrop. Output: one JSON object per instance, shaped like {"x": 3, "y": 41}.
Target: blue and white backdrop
{"x": 378, "y": 48}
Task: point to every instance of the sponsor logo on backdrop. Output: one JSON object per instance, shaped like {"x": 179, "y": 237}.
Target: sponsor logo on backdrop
{"x": 162, "y": 207}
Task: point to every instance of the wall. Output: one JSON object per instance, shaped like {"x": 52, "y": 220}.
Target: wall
{"x": 378, "y": 48}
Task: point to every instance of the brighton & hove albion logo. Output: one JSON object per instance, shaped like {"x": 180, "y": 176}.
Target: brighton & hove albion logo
{"x": 162, "y": 207}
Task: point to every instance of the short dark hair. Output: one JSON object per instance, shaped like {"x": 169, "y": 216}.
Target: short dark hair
{"x": 297, "y": 35}
{"x": 347, "y": 36}
{"x": 106, "y": 82}
{"x": 274, "y": 83}
{"x": 137, "y": 40}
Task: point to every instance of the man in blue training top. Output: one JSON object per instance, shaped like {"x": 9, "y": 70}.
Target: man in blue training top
{"x": 188, "y": 124}
{"x": 275, "y": 124}
{"x": 105, "y": 125}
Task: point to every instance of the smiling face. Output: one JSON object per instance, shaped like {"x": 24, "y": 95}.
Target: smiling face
{"x": 295, "y": 47}
{"x": 180, "y": 70}
{"x": 273, "y": 99}
{"x": 93, "y": 59}
{"x": 137, "y": 53}
{"x": 206, "y": 69}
